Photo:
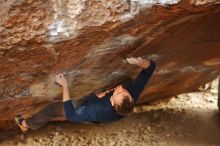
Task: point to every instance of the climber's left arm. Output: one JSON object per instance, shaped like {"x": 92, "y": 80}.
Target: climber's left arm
{"x": 61, "y": 80}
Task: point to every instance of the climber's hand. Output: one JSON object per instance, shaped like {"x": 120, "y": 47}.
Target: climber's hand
{"x": 139, "y": 61}
{"x": 61, "y": 80}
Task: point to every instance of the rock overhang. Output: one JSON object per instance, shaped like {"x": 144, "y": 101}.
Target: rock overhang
{"x": 89, "y": 42}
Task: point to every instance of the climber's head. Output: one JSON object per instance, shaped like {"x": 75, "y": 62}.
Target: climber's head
{"x": 122, "y": 101}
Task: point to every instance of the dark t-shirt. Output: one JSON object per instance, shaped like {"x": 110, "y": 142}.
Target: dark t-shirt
{"x": 100, "y": 110}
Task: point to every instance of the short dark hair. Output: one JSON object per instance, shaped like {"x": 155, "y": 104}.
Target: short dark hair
{"x": 125, "y": 107}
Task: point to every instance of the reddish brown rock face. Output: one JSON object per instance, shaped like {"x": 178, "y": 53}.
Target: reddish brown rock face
{"x": 89, "y": 43}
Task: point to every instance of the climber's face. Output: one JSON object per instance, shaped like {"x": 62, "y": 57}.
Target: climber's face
{"x": 119, "y": 94}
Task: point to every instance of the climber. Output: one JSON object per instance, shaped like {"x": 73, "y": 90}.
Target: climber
{"x": 107, "y": 106}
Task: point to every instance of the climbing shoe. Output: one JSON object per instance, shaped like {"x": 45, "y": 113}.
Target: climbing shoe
{"x": 18, "y": 121}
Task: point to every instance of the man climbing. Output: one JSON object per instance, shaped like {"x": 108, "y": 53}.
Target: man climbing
{"x": 108, "y": 106}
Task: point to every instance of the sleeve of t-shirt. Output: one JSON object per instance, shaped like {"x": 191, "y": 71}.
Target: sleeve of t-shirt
{"x": 75, "y": 115}
{"x": 137, "y": 86}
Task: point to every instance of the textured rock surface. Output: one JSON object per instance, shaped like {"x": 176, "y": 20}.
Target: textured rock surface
{"x": 180, "y": 121}
{"x": 89, "y": 41}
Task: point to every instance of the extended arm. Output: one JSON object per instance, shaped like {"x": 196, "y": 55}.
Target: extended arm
{"x": 71, "y": 113}
{"x": 137, "y": 86}
{"x": 61, "y": 80}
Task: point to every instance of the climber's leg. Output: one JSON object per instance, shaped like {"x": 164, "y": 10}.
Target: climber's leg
{"x": 53, "y": 111}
